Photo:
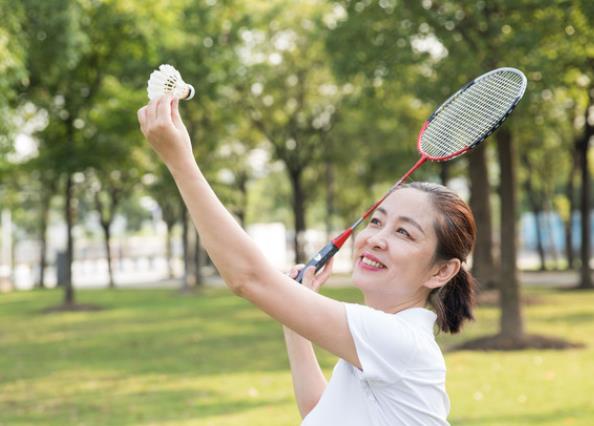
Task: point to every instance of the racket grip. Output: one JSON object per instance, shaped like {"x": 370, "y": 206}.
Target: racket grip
{"x": 318, "y": 260}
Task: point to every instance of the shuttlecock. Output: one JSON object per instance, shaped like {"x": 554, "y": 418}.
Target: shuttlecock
{"x": 168, "y": 80}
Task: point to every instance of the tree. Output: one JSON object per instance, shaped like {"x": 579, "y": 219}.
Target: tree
{"x": 73, "y": 47}
{"x": 453, "y": 43}
{"x": 12, "y": 68}
{"x": 292, "y": 99}
{"x": 387, "y": 40}
{"x": 570, "y": 49}
{"x": 209, "y": 35}
{"x": 118, "y": 157}
{"x": 161, "y": 187}
{"x": 583, "y": 145}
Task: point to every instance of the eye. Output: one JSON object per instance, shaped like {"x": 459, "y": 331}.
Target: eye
{"x": 403, "y": 232}
{"x": 375, "y": 221}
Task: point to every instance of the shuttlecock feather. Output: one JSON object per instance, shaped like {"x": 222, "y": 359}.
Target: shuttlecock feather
{"x": 168, "y": 80}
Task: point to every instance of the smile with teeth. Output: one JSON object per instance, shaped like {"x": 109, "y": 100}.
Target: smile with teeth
{"x": 373, "y": 263}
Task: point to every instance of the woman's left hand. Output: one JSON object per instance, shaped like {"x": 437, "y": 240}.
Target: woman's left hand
{"x": 310, "y": 279}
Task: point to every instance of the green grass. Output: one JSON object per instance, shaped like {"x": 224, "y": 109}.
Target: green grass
{"x": 155, "y": 357}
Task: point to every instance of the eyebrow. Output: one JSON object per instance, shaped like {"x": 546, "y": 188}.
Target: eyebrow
{"x": 406, "y": 219}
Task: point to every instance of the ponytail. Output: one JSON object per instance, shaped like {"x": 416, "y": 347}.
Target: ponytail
{"x": 454, "y": 301}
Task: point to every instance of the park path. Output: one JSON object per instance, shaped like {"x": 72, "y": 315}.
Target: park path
{"x": 550, "y": 279}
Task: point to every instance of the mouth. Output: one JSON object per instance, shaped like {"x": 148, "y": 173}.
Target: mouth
{"x": 370, "y": 263}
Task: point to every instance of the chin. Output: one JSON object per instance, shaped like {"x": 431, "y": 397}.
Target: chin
{"x": 362, "y": 282}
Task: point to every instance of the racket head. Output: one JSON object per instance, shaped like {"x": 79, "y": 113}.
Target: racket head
{"x": 471, "y": 114}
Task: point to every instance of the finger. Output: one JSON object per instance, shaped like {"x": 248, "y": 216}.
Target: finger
{"x": 323, "y": 276}
{"x": 309, "y": 274}
{"x": 141, "y": 114}
{"x": 295, "y": 270}
{"x": 327, "y": 271}
{"x": 164, "y": 108}
{"x": 175, "y": 117}
{"x": 151, "y": 111}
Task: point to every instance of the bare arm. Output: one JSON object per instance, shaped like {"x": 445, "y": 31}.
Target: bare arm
{"x": 309, "y": 382}
{"x": 245, "y": 270}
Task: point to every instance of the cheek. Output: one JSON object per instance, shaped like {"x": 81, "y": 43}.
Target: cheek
{"x": 360, "y": 239}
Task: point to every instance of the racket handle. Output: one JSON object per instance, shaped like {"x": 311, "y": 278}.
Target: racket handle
{"x": 319, "y": 260}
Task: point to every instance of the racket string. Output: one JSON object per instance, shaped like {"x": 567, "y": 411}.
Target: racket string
{"x": 473, "y": 118}
{"x": 473, "y": 114}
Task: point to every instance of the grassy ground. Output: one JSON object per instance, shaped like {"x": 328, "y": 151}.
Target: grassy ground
{"x": 155, "y": 357}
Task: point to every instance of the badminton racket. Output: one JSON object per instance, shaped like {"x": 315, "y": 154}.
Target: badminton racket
{"x": 458, "y": 125}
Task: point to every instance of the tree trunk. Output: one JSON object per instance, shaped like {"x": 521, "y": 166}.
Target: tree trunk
{"x": 168, "y": 249}
{"x": 45, "y": 204}
{"x": 107, "y": 241}
{"x": 586, "y": 250}
{"x": 539, "y": 240}
{"x": 536, "y": 208}
{"x": 298, "y": 214}
{"x": 186, "y": 276}
{"x": 198, "y": 261}
{"x": 444, "y": 173}
{"x": 551, "y": 234}
{"x": 329, "y": 199}
{"x": 570, "y": 194}
{"x": 242, "y": 180}
{"x": 483, "y": 263}
{"x": 69, "y": 214}
{"x": 511, "y": 311}
{"x": 191, "y": 244}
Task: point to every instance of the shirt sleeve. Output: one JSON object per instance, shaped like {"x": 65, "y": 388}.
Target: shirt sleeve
{"x": 385, "y": 344}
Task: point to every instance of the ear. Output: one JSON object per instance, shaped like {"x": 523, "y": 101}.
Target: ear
{"x": 443, "y": 272}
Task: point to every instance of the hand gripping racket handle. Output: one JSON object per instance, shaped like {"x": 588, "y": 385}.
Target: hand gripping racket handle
{"x": 319, "y": 259}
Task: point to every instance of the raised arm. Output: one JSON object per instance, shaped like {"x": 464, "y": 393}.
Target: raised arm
{"x": 243, "y": 267}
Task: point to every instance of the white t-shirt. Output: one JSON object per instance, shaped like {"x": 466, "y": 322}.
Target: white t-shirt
{"x": 403, "y": 377}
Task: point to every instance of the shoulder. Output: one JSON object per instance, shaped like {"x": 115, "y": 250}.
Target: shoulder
{"x": 413, "y": 320}
{"x": 388, "y": 344}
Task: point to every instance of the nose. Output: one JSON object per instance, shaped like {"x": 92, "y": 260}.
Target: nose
{"x": 377, "y": 240}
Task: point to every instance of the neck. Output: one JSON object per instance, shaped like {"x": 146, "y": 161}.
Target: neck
{"x": 389, "y": 305}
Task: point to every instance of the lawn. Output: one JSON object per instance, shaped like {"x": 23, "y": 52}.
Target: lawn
{"x": 156, "y": 357}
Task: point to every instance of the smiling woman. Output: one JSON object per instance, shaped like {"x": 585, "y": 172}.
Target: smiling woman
{"x": 391, "y": 370}
{"x": 418, "y": 228}
{"x": 408, "y": 258}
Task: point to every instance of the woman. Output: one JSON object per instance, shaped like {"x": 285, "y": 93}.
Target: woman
{"x": 391, "y": 371}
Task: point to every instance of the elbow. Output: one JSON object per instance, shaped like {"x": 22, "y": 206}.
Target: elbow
{"x": 237, "y": 287}
{"x": 242, "y": 284}
{"x": 308, "y": 406}
{"x": 246, "y": 280}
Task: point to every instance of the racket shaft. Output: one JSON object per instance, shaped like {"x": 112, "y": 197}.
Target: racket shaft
{"x": 319, "y": 259}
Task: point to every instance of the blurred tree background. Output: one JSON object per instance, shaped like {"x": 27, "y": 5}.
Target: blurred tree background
{"x": 305, "y": 112}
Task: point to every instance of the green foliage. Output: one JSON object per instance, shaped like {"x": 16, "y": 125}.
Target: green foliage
{"x": 12, "y": 72}
{"x": 319, "y": 85}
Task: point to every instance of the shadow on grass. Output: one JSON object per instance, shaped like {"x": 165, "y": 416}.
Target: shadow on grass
{"x": 499, "y": 342}
{"x": 72, "y": 307}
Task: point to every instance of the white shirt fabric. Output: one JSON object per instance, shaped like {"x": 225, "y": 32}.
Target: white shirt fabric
{"x": 403, "y": 377}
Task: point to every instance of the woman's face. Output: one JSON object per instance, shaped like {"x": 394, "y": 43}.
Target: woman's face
{"x": 394, "y": 253}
